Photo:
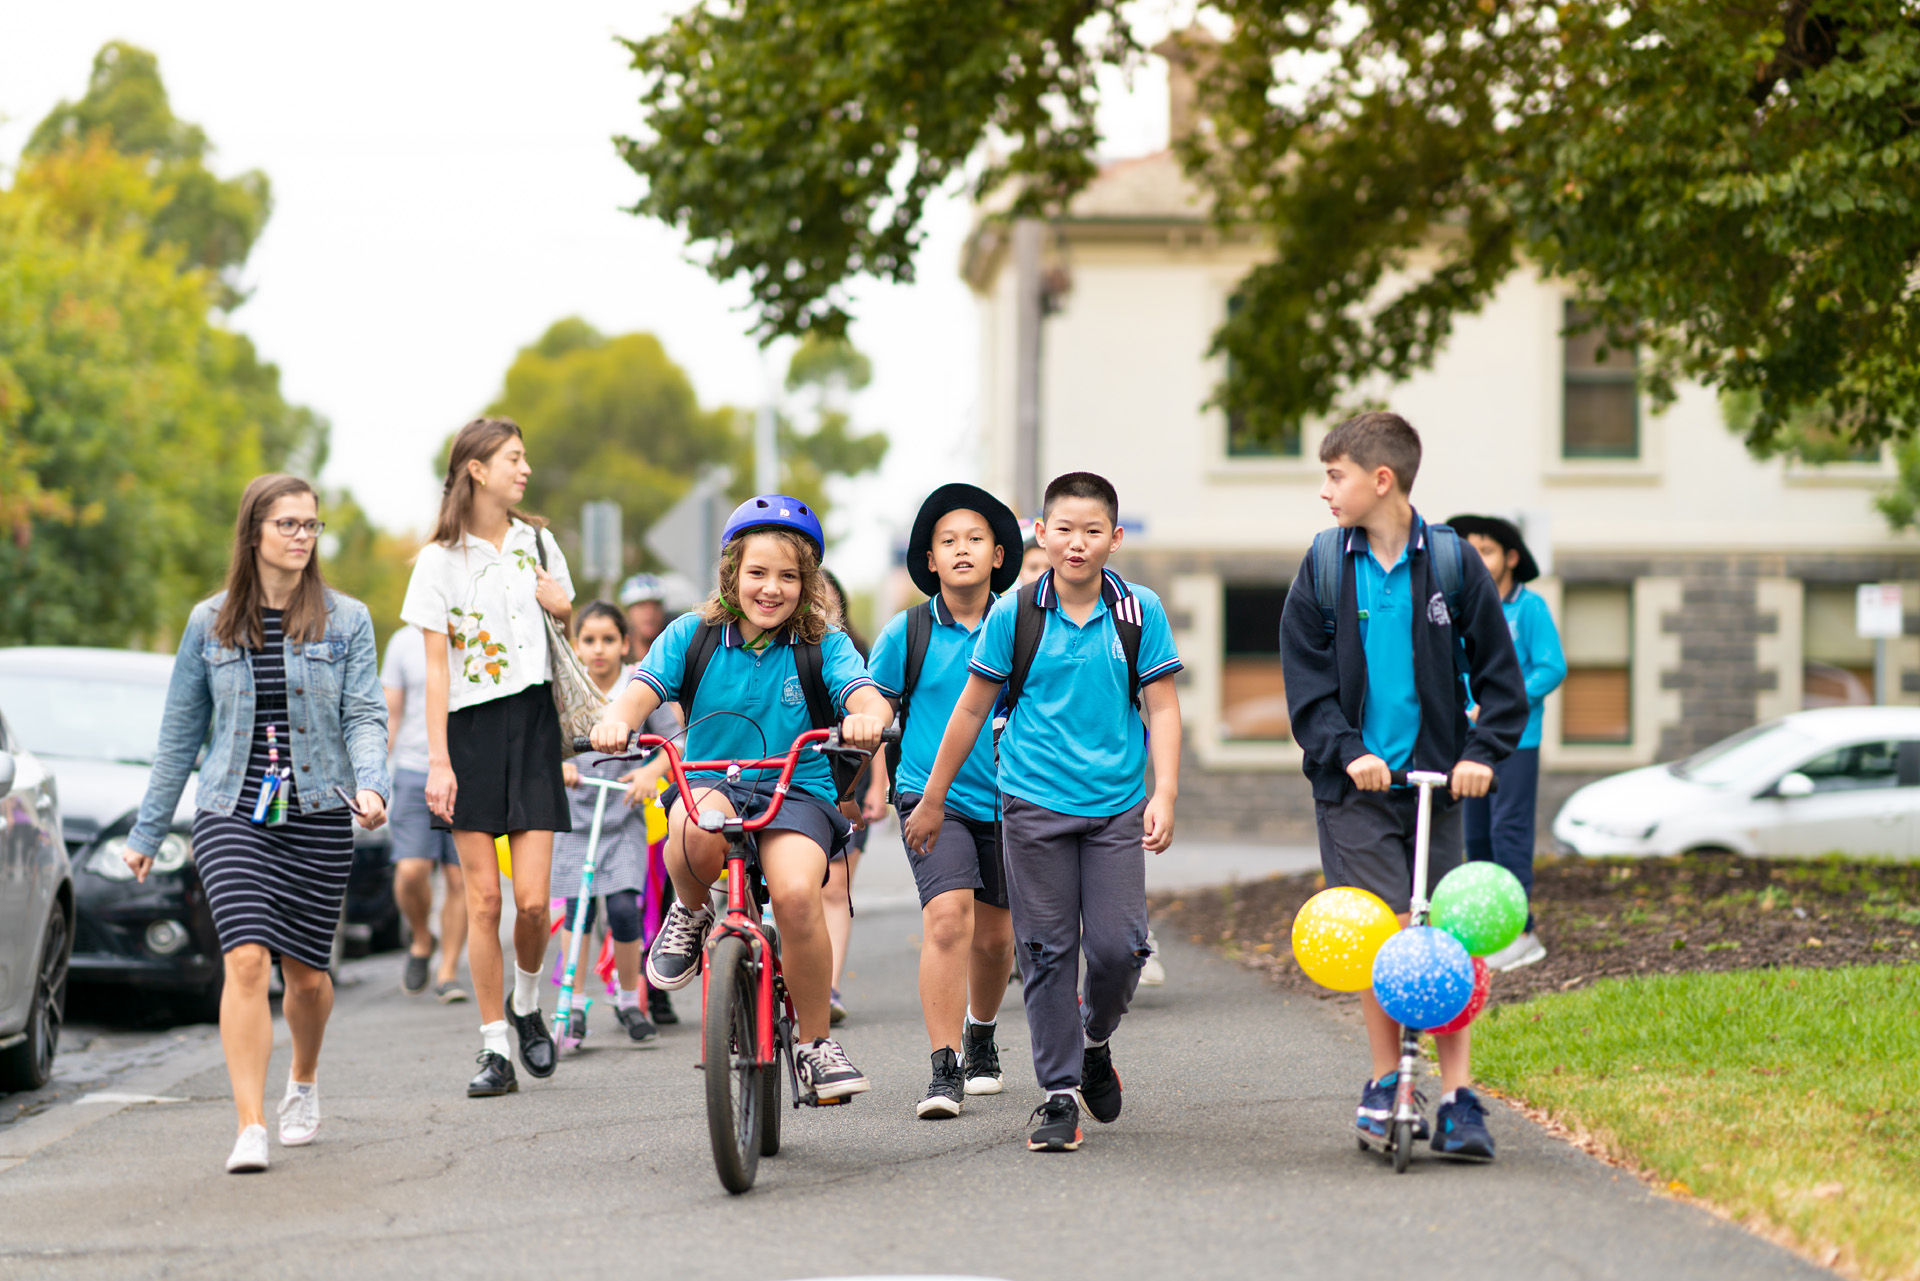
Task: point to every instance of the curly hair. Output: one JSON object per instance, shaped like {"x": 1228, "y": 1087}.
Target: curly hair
{"x": 819, "y": 609}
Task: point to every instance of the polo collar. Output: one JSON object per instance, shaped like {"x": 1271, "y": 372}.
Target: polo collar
{"x": 731, "y": 638}
{"x": 1357, "y": 538}
{"x": 944, "y": 616}
{"x": 1112, "y": 586}
{"x": 518, "y": 531}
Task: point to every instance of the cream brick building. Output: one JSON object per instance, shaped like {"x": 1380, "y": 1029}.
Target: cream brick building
{"x": 1697, "y": 589}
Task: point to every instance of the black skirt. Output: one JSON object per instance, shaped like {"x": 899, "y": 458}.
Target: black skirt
{"x": 506, "y": 760}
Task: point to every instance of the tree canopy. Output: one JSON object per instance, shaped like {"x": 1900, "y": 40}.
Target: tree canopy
{"x": 1736, "y": 190}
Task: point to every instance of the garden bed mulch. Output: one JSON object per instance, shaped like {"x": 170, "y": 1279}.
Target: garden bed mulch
{"x": 1603, "y": 918}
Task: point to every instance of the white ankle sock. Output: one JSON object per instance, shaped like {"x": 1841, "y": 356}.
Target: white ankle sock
{"x": 526, "y": 991}
{"x": 989, "y": 1023}
{"x": 629, "y": 1000}
{"x": 1451, "y": 1096}
{"x": 1062, "y": 1094}
{"x": 1091, "y": 1043}
{"x": 493, "y": 1036}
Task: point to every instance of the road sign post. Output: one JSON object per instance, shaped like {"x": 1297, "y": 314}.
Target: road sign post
{"x": 600, "y": 545}
{"x": 687, "y": 537}
{"x": 1879, "y": 612}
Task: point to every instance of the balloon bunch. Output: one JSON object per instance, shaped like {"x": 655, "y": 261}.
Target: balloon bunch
{"x": 1427, "y": 976}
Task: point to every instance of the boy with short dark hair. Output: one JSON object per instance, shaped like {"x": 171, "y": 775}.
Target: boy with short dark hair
{"x": 1500, "y": 827}
{"x": 1082, "y": 652}
{"x": 1373, "y": 663}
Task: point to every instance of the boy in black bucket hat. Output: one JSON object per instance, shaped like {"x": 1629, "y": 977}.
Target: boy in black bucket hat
{"x": 1500, "y": 827}
{"x": 964, "y": 551}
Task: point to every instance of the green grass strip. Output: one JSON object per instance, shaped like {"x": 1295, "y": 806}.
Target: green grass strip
{"x": 1788, "y": 1098}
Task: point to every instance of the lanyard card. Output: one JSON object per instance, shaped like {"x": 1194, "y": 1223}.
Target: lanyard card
{"x": 268, "y": 786}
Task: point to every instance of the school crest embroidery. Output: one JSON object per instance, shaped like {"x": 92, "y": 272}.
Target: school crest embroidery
{"x": 791, "y": 694}
{"x": 1437, "y": 610}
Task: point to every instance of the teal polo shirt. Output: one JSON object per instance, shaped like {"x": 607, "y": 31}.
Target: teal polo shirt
{"x": 1075, "y": 744}
{"x": 763, "y": 687}
{"x": 943, "y": 675}
{"x": 1390, "y": 720}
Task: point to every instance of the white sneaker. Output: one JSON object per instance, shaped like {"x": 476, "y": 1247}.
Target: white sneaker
{"x": 299, "y": 1116}
{"x": 1523, "y": 951}
{"x": 249, "y": 1154}
{"x": 1152, "y": 973}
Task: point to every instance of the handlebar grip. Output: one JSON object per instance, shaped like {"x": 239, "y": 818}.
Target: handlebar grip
{"x": 582, "y": 745}
{"x": 1400, "y": 780}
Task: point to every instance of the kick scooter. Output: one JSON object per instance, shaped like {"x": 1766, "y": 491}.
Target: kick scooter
{"x": 563, "y": 1013}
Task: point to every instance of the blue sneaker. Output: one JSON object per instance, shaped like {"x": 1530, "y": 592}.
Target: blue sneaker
{"x": 1461, "y": 1128}
{"x": 1375, "y": 1113}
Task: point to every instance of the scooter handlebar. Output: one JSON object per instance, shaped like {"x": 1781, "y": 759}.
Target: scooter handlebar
{"x": 1431, "y": 778}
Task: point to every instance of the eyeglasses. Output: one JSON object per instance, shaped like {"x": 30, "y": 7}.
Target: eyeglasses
{"x": 288, "y": 527}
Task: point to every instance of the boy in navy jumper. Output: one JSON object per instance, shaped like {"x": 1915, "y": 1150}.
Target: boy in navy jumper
{"x": 963, "y": 552}
{"x": 1075, "y": 815}
{"x": 1376, "y": 688}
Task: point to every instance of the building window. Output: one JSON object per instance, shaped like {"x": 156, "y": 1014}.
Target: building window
{"x": 1253, "y": 692}
{"x": 1601, "y": 409}
{"x": 1596, "y": 702}
{"x": 1839, "y": 663}
{"x": 1241, "y": 441}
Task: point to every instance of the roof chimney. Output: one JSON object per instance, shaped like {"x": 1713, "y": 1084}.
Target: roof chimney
{"x": 1189, "y": 54}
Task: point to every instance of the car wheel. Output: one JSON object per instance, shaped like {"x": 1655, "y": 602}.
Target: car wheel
{"x": 1710, "y": 851}
{"x": 29, "y": 1065}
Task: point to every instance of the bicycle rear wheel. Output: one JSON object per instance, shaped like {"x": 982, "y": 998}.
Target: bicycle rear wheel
{"x": 734, "y": 1112}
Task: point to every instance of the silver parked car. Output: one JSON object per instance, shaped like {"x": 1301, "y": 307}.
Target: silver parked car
{"x": 36, "y": 917}
{"x": 1837, "y": 780}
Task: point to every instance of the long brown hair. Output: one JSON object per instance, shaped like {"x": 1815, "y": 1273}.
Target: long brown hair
{"x": 238, "y": 624}
{"x": 818, "y": 611}
{"x": 478, "y": 442}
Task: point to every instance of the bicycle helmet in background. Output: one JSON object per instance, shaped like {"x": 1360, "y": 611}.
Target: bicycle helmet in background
{"x": 641, "y": 588}
{"x": 775, "y": 511}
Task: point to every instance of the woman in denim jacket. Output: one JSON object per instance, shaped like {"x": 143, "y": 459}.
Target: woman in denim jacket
{"x": 279, "y": 677}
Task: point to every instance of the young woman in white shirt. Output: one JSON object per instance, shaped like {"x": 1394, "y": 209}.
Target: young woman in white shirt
{"x": 493, "y": 734}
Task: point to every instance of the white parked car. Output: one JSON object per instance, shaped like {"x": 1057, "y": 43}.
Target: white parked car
{"x": 1842, "y": 780}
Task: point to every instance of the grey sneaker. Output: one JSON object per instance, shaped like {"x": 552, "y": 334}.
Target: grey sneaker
{"x": 1523, "y": 951}
{"x": 449, "y": 991}
{"x": 413, "y": 979}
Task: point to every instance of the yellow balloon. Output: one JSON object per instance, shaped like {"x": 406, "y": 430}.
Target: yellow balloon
{"x": 504, "y": 856}
{"x": 1337, "y": 932}
{"x": 656, "y": 817}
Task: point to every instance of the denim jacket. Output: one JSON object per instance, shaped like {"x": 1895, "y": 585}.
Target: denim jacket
{"x": 336, "y": 713}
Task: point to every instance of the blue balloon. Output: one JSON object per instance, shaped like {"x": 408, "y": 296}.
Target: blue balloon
{"x": 1423, "y": 977}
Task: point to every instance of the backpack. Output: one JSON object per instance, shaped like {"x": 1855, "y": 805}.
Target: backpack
{"x": 1030, "y": 623}
{"x": 810, "y": 664}
{"x": 919, "y": 634}
{"x": 1329, "y": 547}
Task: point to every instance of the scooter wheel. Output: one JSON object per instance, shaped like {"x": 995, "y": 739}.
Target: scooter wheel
{"x": 1402, "y": 1145}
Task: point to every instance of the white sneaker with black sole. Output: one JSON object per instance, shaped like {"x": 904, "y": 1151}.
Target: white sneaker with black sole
{"x": 249, "y": 1154}
{"x": 674, "y": 959}
{"x": 826, "y": 1072}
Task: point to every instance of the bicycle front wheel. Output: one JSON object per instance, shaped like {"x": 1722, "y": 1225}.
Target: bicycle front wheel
{"x": 734, "y": 1112}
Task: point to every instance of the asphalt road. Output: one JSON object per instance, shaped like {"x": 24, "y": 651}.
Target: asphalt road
{"x": 1233, "y": 1159}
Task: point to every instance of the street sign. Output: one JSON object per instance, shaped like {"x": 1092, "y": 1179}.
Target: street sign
{"x": 1878, "y": 611}
{"x": 687, "y": 537}
{"x": 600, "y": 541}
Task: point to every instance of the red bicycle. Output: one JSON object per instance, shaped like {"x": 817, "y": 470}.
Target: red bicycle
{"x": 747, "y": 1020}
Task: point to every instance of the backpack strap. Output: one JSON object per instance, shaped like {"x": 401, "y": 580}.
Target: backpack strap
{"x": 1128, "y": 620}
{"x": 1443, "y": 544}
{"x": 1328, "y": 547}
{"x": 810, "y": 663}
{"x": 706, "y": 639}
{"x": 1029, "y": 625}
{"x": 919, "y": 635}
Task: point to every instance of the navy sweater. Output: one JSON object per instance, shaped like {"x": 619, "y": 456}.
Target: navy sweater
{"x": 1327, "y": 678}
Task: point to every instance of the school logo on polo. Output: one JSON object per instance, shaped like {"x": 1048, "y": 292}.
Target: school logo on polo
{"x": 791, "y": 694}
{"x": 1119, "y": 651}
{"x": 1437, "y": 610}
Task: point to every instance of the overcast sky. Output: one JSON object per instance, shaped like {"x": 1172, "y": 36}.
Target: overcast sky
{"x": 444, "y": 188}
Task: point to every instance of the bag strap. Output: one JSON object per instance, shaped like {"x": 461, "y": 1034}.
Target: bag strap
{"x": 1444, "y": 544}
{"x": 1327, "y": 548}
{"x": 810, "y": 663}
{"x": 919, "y": 635}
{"x": 1128, "y": 620}
{"x": 706, "y": 639}
{"x": 1029, "y": 625}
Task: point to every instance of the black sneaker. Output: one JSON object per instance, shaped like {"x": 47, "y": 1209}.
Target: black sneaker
{"x": 1374, "y": 1117}
{"x": 1460, "y": 1128}
{"x": 826, "y": 1071}
{"x": 660, "y": 1008}
{"x": 674, "y": 959}
{"x": 1059, "y": 1128}
{"x": 494, "y": 1078}
{"x": 413, "y": 979}
{"x": 947, "y": 1091}
{"x": 1099, "y": 1084}
{"x": 639, "y": 1030}
{"x": 982, "y": 1070}
{"x": 537, "y": 1052}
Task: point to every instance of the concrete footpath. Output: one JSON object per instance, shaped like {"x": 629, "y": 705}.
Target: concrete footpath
{"x": 1233, "y": 1158}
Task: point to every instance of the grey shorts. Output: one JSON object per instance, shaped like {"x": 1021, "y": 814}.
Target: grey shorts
{"x": 965, "y": 856}
{"x": 802, "y": 812}
{"x": 414, "y": 835}
{"x": 1366, "y": 841}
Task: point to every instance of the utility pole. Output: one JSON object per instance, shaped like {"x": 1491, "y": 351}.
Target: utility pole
{"x": 1028, "y": 311}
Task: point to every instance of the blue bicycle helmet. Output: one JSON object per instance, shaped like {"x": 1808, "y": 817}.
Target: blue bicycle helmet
{"x": 776, "y": 511}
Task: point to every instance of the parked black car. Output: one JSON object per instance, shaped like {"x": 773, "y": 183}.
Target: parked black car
{"x": 36, "y": 917}
{"x": 94, "y": 716}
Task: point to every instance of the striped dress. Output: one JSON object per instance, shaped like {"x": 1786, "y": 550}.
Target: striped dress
{"x": 280, "y": 887}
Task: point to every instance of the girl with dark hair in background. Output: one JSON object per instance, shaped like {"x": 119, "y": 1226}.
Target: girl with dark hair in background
{"x": 285, "y": 675}
{"x": 493, "y": 733}
{"x": 621, "y": 872}
{"x": 837, "y": 896}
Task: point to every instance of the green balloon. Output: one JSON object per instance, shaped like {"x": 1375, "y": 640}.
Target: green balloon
{"x": 1482, "y": 905}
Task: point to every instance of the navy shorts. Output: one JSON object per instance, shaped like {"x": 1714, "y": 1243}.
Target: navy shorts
{"x": 1366, "y": 841}
{"x": 819, "y": 821}
{"x": 965, "y": 856}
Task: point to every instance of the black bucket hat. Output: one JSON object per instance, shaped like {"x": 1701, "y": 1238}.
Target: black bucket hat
{"x": 962, "y": 497}
{"x": 1507, "y": 534}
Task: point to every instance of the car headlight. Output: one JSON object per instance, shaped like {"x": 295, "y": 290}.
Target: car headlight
{"x": 109, "y": 860}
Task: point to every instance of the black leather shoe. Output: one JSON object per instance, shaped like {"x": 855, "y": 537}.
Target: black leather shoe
{"x": 494, "y": 1079}
{"x": 537, "y": 1052}
{"x": 660, "y": 1008}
